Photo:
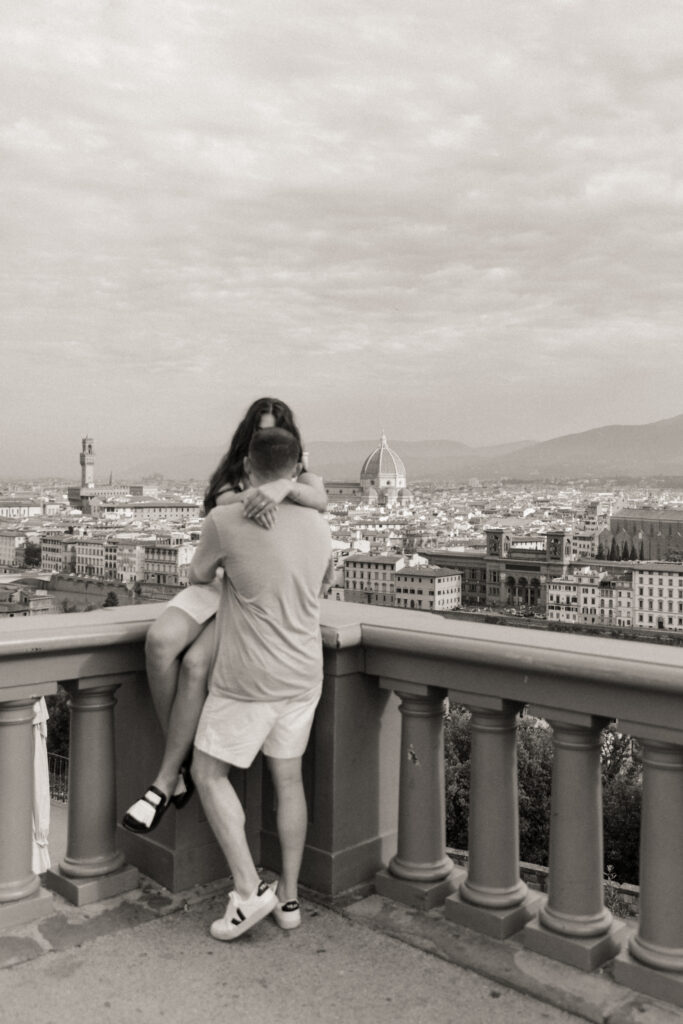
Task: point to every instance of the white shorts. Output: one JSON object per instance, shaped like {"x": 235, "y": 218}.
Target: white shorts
{"x": 234, "y": 731}
{"x": 199, "y": 600}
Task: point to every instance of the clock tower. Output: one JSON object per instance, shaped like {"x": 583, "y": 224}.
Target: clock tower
{"x": 87, "y": 459}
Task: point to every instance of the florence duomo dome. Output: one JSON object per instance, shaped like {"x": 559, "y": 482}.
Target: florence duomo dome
{"x": 383, "y": 476}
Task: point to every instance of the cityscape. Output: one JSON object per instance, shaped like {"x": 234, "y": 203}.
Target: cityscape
{"x": 443, "y": 239}
{"x": 592, "y": 555}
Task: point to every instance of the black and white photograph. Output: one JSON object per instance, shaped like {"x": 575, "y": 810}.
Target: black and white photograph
{"x": 341, "y": 511}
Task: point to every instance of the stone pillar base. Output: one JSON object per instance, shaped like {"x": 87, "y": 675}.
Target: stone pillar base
{"x": 666, "y": 985}
{"x": 496, "y": 923}
{"x": 80, "y": 891}
{"x": 421, "y": 895}
{"x": 586, "y": 954}
{"x": 31, "y": 908}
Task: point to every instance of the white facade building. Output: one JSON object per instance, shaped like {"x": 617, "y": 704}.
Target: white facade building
{"x": 658, "y": 595}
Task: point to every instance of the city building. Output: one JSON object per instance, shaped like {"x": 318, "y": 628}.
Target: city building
{"x": 383, "y": 477}
{"x": 90, "y": 496}
{"x": 90, "y": 556}
{"x": 382, "y": 481}
{"x": 58, "y": 552}
{"x": 167, "y": 561}
{"x": 512, "y": 571}
{"x": 370, "y": 579}
{"x": 653, "y": 534}
{"x": 428, "y": 588}
{"x": 592, "y": 597}
{"x": 130, "y": 560}
{"x": 18, "y": 601}
{"x": 12, "y": 545}
{"x": 20, "y": 508}
{"x": 154, "y": 511}
{"x": 658, "y": 595}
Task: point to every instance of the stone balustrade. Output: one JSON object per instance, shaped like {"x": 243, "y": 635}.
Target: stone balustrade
{"x": 374, "y": 776}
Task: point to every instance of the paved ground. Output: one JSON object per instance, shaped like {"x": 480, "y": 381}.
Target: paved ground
{"x": 332, "y": 970}
{"x": 147, "y": 956}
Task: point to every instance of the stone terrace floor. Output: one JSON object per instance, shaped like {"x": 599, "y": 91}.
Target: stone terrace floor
{"x": 147, "y": 956}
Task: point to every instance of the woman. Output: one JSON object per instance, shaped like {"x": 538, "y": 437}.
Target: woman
{"x": 180, "y": 644}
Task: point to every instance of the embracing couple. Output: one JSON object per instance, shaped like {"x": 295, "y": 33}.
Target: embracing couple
{"x": 249, "y": 624}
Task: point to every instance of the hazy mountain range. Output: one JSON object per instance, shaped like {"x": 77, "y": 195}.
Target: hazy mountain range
{"x": 649, "y": 449}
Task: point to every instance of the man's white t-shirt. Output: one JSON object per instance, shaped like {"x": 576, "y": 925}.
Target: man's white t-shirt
{"x": 268, "y": 644}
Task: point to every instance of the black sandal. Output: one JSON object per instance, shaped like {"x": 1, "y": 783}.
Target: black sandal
{"x": 154, "y": 799}
{"x": 181, "y": 799}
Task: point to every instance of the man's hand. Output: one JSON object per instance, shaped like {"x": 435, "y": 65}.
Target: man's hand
{"x": 260, "y": 503}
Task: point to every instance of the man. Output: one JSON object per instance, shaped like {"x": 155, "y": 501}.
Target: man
{"x": 266, "y": 678}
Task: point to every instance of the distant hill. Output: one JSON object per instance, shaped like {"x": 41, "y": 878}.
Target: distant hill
{"x": 650, "y": 449}
{"x": 426, "y": 460}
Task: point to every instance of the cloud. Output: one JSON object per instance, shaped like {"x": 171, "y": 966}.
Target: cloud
{"x": 209, "y": 201}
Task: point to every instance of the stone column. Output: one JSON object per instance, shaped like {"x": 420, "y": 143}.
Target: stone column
{"x": 420, "y": 874}
{"x": 575, "y": 926}
{"x": 654, "y": 961}
{"x": 493, "y": 899}
{"x": 21, "y": 898}
{"x": 93, "y": 868}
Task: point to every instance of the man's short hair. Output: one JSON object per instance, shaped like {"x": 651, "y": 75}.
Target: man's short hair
{"x": 273, "y": 452}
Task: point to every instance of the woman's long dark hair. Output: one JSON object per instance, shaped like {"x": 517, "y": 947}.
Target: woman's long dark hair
{"x": 230, "y": 470}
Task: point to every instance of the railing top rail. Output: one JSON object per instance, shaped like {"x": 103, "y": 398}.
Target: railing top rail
{"x": 597, "y": 659}
{"x": 63, "y": 632}
{"x": 602, "y": 676}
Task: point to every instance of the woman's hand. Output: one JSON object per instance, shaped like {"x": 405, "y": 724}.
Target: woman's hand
{"x": 260, "y": 503}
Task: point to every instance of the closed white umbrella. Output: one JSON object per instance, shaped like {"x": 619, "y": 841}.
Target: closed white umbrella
{"x": 41, "y": 790}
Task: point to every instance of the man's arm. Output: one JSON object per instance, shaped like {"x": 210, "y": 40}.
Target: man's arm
{"x": 207, "y": 556}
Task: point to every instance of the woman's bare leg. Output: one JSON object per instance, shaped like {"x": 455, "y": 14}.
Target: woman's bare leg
{"x": 167, "y": 639}
{"x": 186, "y": 708}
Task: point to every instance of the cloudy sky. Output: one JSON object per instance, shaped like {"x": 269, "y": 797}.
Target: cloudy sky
{"x": 452, "y": 219}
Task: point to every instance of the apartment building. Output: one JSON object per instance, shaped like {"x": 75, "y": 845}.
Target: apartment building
{"x": 167, "y": 560}
{"x": 658, "y": 595}
{"x": 592, "y": 597}
{"x": 11, "y": 549}
{"x": 370, "y": 579}
{"x": 428, "y": 588}
{"x": 58, "y": 552}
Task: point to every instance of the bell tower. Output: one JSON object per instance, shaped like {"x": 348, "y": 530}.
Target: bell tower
{"x": 87, "y": 459}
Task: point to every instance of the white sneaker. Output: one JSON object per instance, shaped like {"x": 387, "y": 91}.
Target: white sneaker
{"x": 288, "y": 914}
{"x": 241, "y": 915}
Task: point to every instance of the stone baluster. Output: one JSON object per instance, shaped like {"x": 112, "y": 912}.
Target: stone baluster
{"x": 420, "y": 874}
{"x": 653, "y": 963}
{"x": 574, "y": 926}
{"x": 93, "y": 868}
{"x": 493, "y": 899}
{"x": 21, "y": 897}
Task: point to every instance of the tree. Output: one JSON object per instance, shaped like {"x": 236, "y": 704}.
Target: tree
{"x": 621, "y": 771}
{"x": 457, "y": 756}
{"x": 535, "y": 765}
{"x": 32, "y": 554}
{"x": 613, "y": 550}
{"x": 601, "y": 551}
{"x": 111, "y": 600}
{"x": 58, "y": 723}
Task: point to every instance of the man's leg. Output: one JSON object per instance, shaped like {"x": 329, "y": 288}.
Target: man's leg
{"x": 292, "y": 822}
{"x": 227, "y": 819}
